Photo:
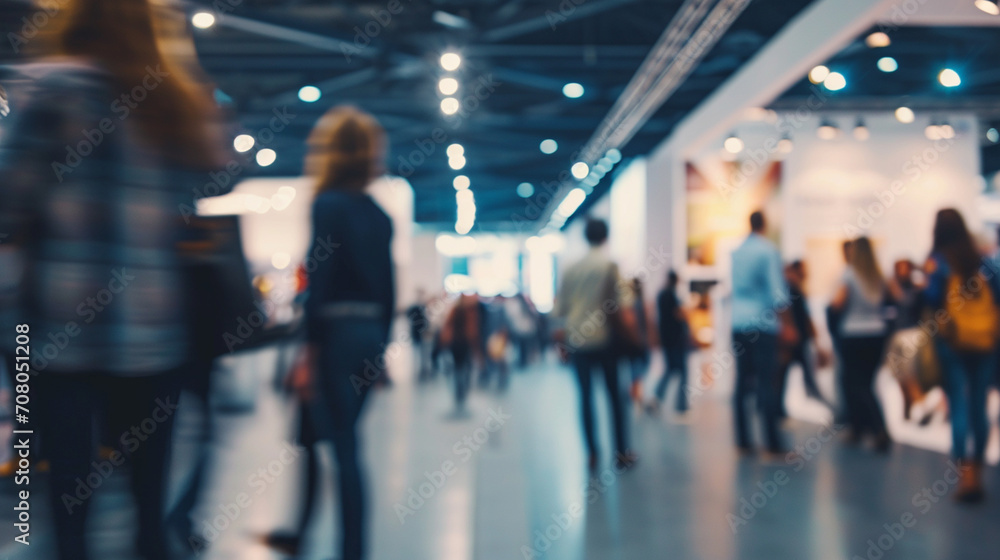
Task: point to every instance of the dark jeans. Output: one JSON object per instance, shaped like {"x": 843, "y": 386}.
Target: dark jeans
{"x": 461, "y": 355}
{"x": 585, "y": 361}
{"x": 141, "y": 410}
{"x": 350, "y": 352}
{"x": 756, "y": 374}
{"x": 799, "y": 354}
{"x": 862, "y": 356}
{"x": 676, "y": 356}
{"x": 967, "y": 377}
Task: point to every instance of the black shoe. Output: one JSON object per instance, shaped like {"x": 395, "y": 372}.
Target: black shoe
{"x": 285, "y": 543}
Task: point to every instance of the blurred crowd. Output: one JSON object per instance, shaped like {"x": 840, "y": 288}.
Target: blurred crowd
{"x": 129, "y": 300}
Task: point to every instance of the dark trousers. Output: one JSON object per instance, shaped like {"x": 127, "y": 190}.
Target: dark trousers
{"x": 462, "y": 357}
{"x": 799, "y": 354}
{"x": 676, "y": 356}
{"x": 585, "y": 361}
{"x": 967, "y": 380}
{"x": 351, "y": 350}
{"x": 141, "y": 411}
{"x": 862, "y": 356}
{"x": 756, "y": 374}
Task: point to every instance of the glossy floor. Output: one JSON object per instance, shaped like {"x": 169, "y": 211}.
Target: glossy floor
{"x": 509, "y": 482}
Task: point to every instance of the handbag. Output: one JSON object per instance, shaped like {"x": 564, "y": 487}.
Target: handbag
{"x": 220, "y": 294}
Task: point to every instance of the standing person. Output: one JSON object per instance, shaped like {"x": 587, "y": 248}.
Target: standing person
{"x": 419, "y": 327}
{"x": 523, "y": 326}
{"x": 965, "y": 287}
{"x": 673, "y": 328}
{"x": 593, "y": 286}
{"x": 351, "y": 300}
{"x": 107, "y": 227}
{"x": 462, "y": 335}
{"x": 863, "y": 332}
{"x": 639, "y": 359}
{"x": 801, "y": 351}
{"x": 759, "y": 294}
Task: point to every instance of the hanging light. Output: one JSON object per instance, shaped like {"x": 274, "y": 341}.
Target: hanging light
{"x": 991, "y": 7}
{"x": 827, "y": 130}
{"x": 733, "y": 144}
{"x": 878, "y": 40}
{"x": 905, "y": 115}
{"x": 860, "y": 130}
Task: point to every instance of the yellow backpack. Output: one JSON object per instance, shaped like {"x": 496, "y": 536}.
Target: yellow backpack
{"x": 975, "y": 321}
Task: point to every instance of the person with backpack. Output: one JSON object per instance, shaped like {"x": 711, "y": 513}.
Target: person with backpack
{"x": 964, "y": 286}
{"x": 863, "y": 332}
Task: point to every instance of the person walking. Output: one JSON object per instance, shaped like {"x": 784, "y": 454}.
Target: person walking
{"x": 674, "y": 335}
{"x": 759, "y": 297}
{"x": 964, "y": 285}
{"x": 594, "y": 286}
{"x": 863, "y": 331}
{"x": 351, "y": 301}
{"x": 101, "y": 237}
{"x": 802, "y": 351}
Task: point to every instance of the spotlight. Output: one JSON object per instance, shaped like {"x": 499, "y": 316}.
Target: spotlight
{"x": 580, "y": 170}
{"x": 933, "y": 132}
{"x": 525, "y": 190}
{"x": 614, "y": 155}
{"x": 448, "y": 86}
{"x": 878, "y": 40}
{"x": 905, "y": 115}
{"x": 835, "y": 81}
{"x": 887, "y": 64}
{"x": 991, "y": 7}
{"x": 785, "y": 145}
{"x": 548, "y": 146}
{"x": 818, "y": 74}
{"x": 993, "y": 135}
{"x": 947, "y": 131}
{"x": 310, "y": 94}
{"x": 243, "y": 143}
{"x": 733, "y": 144}
{"x": 266, "y": 157}
{"x": 827, "y": 130}
{"x": 457, "y": 162}
{"x": 450, "y": 61}
{"x": 461, "y": 183}
{"x": 949, "y": 78}
{"x": 455, "y": 150}
{"x": 449, "y": 105}
{"x": 861, "y": 131}
{"x": 203, "y": 20}
{"x": 573, "y": 90}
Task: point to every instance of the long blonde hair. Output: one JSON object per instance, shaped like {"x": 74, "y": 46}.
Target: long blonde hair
{"x": 346, "y": 150}
{"x": 179, "y": 116}
{"x": 866, "y": 268}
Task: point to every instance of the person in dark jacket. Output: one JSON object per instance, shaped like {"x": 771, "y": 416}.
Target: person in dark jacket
{"x": 801, "y": 351}
{"x": 351, "y": 301}
{"x": 100, "y": 234}
{"x": 674, "y": 336}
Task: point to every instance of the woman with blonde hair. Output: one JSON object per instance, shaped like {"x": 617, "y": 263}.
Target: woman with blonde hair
{"x": 350, "y": 305}
{"x": 103, "y": 150}
{"x": 863, "y": 332}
